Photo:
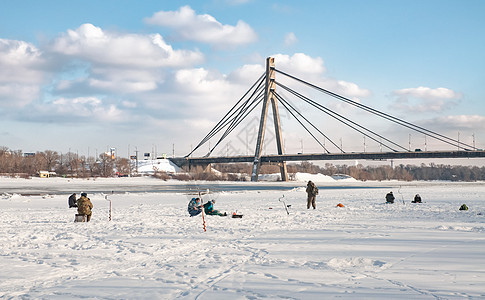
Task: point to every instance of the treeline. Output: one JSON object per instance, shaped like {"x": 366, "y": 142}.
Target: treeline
{"x": 17, "y": 163}
{"x": 360, "y": 172}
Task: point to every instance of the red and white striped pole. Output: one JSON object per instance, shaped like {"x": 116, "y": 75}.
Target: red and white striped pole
{"x": 202, "y": 208}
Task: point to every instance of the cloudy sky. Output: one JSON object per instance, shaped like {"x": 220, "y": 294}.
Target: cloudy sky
{"x": 158, "y": 75}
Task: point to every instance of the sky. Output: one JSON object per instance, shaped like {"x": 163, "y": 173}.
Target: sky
{"x": 156, "y": 76}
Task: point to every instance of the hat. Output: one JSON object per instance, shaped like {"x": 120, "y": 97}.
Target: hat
{"x": 84, "y": 194}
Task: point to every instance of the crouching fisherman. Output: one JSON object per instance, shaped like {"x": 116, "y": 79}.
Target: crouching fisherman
{"x": 209, "y": 209}
{"x": 194, "y": 208}
{"x": 84, "y": 206}
{"x": 390, "y": 198}
{"x": 72, "y": 200}
{"x": 417, "y": 199}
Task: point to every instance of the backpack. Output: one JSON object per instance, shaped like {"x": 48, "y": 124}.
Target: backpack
{"x": 464, "y": 207}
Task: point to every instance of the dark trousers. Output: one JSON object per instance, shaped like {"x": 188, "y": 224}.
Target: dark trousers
{"x": 311, "y": 202}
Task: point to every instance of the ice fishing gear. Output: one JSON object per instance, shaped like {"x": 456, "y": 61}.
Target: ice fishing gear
{"x": 286, "y": 206}
{"x": 236, "y": 215}
{"x": 202, "y": 205}
{"x": 106, "y": 197}
{"x": 402, "y": 197}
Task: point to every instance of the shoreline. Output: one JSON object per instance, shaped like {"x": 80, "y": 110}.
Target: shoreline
{"x": 59, "y": 186}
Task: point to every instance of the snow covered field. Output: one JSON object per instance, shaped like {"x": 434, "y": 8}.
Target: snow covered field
{"x": 152, "y": 249}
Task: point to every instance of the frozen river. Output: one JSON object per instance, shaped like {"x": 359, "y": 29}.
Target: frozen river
{"x": 152, "y": 249}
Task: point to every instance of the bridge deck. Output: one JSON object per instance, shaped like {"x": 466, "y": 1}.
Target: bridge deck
{"x": 183, "y": 161}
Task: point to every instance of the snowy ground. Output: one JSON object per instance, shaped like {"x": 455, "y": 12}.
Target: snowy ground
{"x": 152, "y": 249}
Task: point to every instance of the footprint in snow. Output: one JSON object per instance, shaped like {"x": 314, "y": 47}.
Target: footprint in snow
{"x": 270, "y": 276}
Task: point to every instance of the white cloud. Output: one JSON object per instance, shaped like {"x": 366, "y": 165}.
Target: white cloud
{"x": 313, "y": 70}
{"x": 91, "y": 108}
{"x": 127, "y": 63}
{"x": 246, "y": 75}
{"x": 21, "y": 73}
{"x": 425, "y": 99}
{"x": 203, "y": 28}
{"x": 299, "y": 63}
{"x": 458, "y": 122}
{"x": 290, "y": 39}
{"x": 130, "y": 50}
{"x": 206, "y": 93}
{"x": 428, "y": 93}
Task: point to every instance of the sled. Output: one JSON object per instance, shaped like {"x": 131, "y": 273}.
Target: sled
{"x": 235, "y": 216}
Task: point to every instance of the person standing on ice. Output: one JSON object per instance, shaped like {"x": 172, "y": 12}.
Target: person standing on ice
{"x": 84, "y": 206}
{"x": 312, "y": 192}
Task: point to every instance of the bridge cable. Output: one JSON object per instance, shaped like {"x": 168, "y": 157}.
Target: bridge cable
{"x": 391, "y": 118}
{"x": 234, "y": 121}
{"x": 238, "y": 120}
{"x": 287, "y": 105}
{"x": 223, "y": 122}
{"x": 229, "y": 130}
{"x": 336, "y": 116}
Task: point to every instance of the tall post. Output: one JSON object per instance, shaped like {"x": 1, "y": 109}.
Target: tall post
{"x": 269, "y": 96}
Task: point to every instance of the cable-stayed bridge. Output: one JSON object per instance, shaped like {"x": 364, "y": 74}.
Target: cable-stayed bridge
{"x": 264, "y": 91}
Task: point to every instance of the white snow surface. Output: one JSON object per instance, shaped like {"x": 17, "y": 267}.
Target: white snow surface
{"x": 152, "y": 249}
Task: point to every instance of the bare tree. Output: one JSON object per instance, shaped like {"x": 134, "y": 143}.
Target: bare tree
{"x": 122, "y": 166}
{"x": 106, "y": 164}
{"x": 51, "y": 159}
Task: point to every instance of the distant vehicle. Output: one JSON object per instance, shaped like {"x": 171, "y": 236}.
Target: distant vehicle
{"x": 417, "y": 150}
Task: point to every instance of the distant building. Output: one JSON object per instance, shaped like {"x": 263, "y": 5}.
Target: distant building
{"x": 44, "y": 174}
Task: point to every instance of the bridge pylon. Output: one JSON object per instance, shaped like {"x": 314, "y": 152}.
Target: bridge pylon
{"x": 269, "y": 90}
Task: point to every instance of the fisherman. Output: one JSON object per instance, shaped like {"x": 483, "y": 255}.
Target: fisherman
{"x": 72, "y": 200}
{"x": 312, "y": 192}
{"x": 84, "y": 206}
{"x": 209, "y": 209}
{"x": 194, "y": 208}
{"x": 417, "y": 199}
{"x": 390, "y": 197}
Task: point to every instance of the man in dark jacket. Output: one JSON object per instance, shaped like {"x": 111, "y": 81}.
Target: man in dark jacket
{"x": 312, "y": 192}
{"x": 72, "y": 200}
{"x": 390, "y": 197}
{"x": 84, "y": 206}
{"x": 417, "y": 199}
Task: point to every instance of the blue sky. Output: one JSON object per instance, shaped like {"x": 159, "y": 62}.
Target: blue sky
{"x": 150, "y": 74}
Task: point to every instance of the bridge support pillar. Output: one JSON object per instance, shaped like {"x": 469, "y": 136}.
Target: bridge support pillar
{"x": 200, "y": 168}
{"x": 269, "y": 96}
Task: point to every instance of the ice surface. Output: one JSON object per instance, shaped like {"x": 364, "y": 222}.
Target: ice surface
{"x": 152, "y": 249}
